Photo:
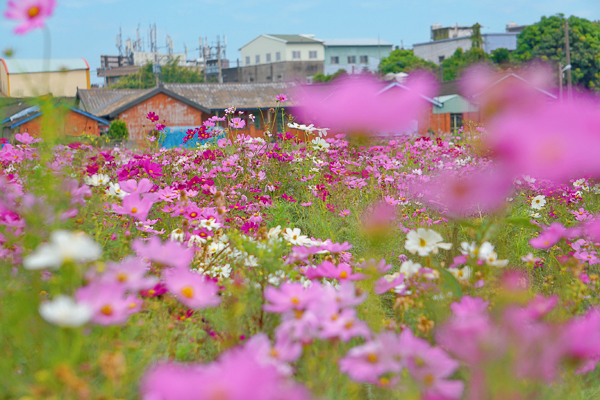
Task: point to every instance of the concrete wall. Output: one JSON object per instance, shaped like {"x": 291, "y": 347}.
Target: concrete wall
{"x": 433, "y": 50}
{"x": 374, "y": 54}
{"x": 60, "y": 84}
{"x": 263, "y": 45}
{"x": 73, "y": 124}
{"x": 281, "y": 72}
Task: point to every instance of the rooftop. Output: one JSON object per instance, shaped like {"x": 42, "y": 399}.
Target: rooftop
{"x": 24, "y": 66}
{"x": 355, "y": 42}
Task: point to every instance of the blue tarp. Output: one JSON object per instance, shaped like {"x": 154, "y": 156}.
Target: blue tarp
{"x": 173, "y": 137}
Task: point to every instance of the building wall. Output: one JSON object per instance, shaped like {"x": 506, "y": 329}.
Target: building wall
{"x": 261, "y": 46}
{"x": 174, "y": 113}
{"x": 374, "y": 54}
{"x": 433, "y": 50}
{"x": 281, "y": 72}
{"x": 4, "y": 84}
{"x": 304, "y": 49}
{"x": 73, "y": 124}
{"x": 59, "y": 84}
{"x": 493, "y": 41}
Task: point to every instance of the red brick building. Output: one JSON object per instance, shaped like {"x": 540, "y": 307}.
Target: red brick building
{"x": 67, "y": 120}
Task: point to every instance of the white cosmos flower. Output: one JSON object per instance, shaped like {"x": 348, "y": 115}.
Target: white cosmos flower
{"x": 320, "y": 144}
{"x": 274, "y": 232}
{"x": 209, "y": 224}
{"x": 63, "y": 311}
{"x": 295, "y": 237}
{"x": 538, "y": 202}
{"x": 462, "y": 274}
{"x": 114, "y": 190}
{"x": 63, "y": 246}
{"x": 178, "y": 235}
{"x": 424, "y": 241}
{"x": 579, "y": 182}
{"x": 409, "y": 268}
{"x": 468, "y": 249}
{"x": 487, "y": 254}
{"x": 97, "y": 180}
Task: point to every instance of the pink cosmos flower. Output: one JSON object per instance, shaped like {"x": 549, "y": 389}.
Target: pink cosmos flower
{"x": 134, "y": 206}
{"x": 341, "y": 272}
{"x": 361, "y": 105}
{"x": 553, "y": 234}
{"x": 26, "y": 138}
{"x": 152, "y": 117}
{"x": 237, "y": 123}
{"x": 107, "y": 301}
{"x": 289, "y": 296}
{"x": 388, "y": 282}
{"x": 192, "y": 289}
{"x": 170, "y": 253}
{"x": 33, "y": 13}
{"x": 344, "y": 325}
{"x": 130, "y": 273}
{"x": 281, "y": 98}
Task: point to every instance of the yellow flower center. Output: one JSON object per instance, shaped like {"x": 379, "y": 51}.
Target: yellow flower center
{"x": 295, "y": 300}
{"x": 33, "y": 12}
{"x": 343, "y": 274}
{"x": 428, "y": 379}
{"x": 134, "y": 210}
{"x": 372, "y": 358}
{"x": 187, "y": 292}
{"x": 107, "y": 310}
{"x": 122, "y": 277}
{"x": 422, "y": 242}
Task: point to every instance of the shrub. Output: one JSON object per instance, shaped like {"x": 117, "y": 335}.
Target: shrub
{"x": 118, "y": 130}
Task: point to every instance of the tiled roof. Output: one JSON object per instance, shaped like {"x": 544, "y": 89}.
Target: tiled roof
{"x": 219, "y": 96}
{"x": 96, "y": 100}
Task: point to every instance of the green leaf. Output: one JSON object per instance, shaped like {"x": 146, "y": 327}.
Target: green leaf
{"x": 449, "y": 283}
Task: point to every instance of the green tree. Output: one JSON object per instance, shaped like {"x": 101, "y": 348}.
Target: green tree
{"x": 401, "y": 60}
{"x": 453, "y": 66}
{"x": 545, "y": 41}
{"x": 170, "y": 73}
{"x": 118, "y": 130}
{"x": 321, "y": 78}
{"x": 501, "y": 56}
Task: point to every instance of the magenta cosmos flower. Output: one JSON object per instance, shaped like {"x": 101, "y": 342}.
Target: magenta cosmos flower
{"x": 135, "y": 206}
{"x": 170, "y": 253}
{"x": 192, "y": 289}
{"x": 33, "y": 13}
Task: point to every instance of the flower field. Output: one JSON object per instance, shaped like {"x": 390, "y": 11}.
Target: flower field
{"x": 349, "y": 266}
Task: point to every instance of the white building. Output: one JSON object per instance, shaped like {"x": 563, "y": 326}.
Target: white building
{"x": 267, "y": 49}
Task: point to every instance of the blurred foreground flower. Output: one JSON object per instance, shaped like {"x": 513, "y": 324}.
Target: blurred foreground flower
{"x": 424, "y": 241}
{"x": 64, "y": 311}
{"x": 364, "y": 105}
{"x": 33, "y": 13}
{"x": 63, "y": 246}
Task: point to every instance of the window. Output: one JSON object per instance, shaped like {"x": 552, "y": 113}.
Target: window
{"x": 441, "y": 58}
{"x": 257, "y": 122}
{"x": 335, "y": 60}
{"x": 295, "y": 55}
{"x": 280, "y": 78}
{"x": 312, "y": 54}
{"x": 248, "y": 60}
{"x": 364, "y": 59}
{"x": 351, "y": 59}
{"x": 257, "y": 58}
{"x": 456, "y": 122}
{"x": 278, "y": 56}
{"x": 268, "y": 57}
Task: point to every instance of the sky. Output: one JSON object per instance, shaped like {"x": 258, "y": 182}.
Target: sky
{"x": 87, "y": 28}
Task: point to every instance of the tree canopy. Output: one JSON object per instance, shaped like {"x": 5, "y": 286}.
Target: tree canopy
{"x": 401, "y": 60}
{"x": 460, "y": 60}
{"x": 545, "y": 41}
{"x": 170, "y": 73}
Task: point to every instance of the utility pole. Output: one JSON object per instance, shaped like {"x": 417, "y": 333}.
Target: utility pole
{"x": 568, "y": 51}
{"x": 560, "y": 81}
{"x": 219, "y": 59}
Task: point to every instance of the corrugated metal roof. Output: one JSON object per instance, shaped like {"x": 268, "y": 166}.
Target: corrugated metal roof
{"x": 355, "y": 42}
{"x": 219, "y": 96}
{"x": 454, "y": 104}
{"x": 24, "y": 66}
{"x": 296, "y": 39}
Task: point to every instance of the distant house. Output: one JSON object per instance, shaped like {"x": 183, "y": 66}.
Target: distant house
{"x": 445, "y": 41}
{"x": 354, "y": 55}
{"x": 23, "y": 116}
{"x": 281, "y": 58}
{"x": 31, "y": 78}
{"x": 187, "y": 105}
